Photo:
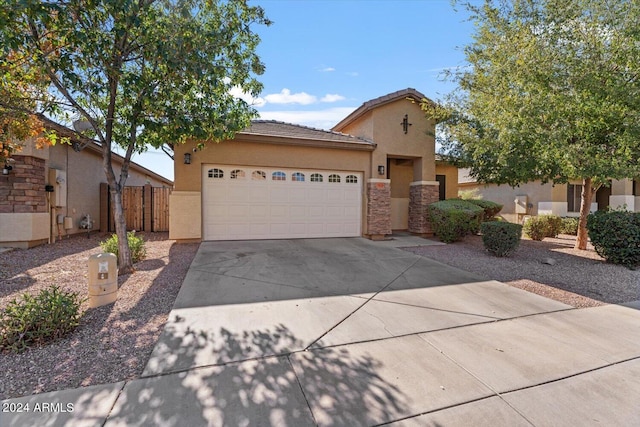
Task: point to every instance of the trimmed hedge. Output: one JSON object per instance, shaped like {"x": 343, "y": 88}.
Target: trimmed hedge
{"x": 453, "y": 219}
{"x": 501, "y": 238}
{"x": 569, "y": 226}
{"x": 541, "y": 226}
{"x": 615, "y": 235}
{"x": 491, "y": 209}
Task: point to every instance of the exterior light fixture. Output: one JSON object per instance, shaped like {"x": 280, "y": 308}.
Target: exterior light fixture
{"x": 187, "y": 158}
{"x": 381, "y": 170}
{"x": 6, "y": 169}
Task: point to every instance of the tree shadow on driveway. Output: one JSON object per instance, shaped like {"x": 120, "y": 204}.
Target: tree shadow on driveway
{"x": 264, "y": 391}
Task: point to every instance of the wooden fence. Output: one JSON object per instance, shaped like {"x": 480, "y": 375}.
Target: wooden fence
{"x": 145, "y": 208}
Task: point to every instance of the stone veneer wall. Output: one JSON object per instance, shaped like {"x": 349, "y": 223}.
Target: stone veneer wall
{"x": 421, "y": 195}
{"x": 378, "y": 207}
{"x": 22, "y": 191}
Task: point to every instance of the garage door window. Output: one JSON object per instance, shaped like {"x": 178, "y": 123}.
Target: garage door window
{"x": 237, "y": 174}
{"x": 334, "y": 178}
{"x": 278, "y": 176}
{"x": 316, "y": 177}
{"x": 258, "y": 176}
{"x": 216, "y": 173}
{"x": 297, "y": 176}
{"x": 352, "y": 179}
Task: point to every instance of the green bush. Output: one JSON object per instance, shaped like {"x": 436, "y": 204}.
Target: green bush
{"x": 569, "y": 226}
{"x": 615, "y": 235}
{"x": 501, "y": 238}
{"x": 453, "y": 219}
{"x": 136, "y": 245}
{"x": 38, "y": 319}
{"x": 539, "y": 227}
{"x": 491, "y": 209}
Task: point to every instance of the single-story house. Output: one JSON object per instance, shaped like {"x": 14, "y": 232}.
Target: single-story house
{"x": 48, "y": 192}
{"x": 535, "y": 198}
{"x": 372, "y": 173}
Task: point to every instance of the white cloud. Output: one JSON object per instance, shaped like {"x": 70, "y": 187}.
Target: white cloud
{"x": 353, "y": 74}
{"x": 332, "y": 97}
{"x": 321, "y": 119}
{"x": 286, "y": 97}
{"x": 327, "y": 69}
{"x": 247, "y": 97}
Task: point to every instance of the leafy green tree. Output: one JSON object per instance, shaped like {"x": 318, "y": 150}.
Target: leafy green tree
{"x": 140, "y": 72}
{"x": 551, "y": 92}
{"x": 20, "y": 89}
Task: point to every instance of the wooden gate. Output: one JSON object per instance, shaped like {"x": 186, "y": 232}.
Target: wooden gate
{"x": 145, "y": 208}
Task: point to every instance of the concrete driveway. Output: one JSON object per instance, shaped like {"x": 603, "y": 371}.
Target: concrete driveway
{"x": 349, "y": 332}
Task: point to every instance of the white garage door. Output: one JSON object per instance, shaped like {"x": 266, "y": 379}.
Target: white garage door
{"x": 268, "y": 203}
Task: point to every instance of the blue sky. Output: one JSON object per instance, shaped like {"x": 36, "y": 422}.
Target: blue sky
{"x": 325, "y": 58}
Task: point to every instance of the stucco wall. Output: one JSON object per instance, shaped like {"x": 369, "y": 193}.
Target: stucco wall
{"x": 391, "y": 140}
{"x": 451, "y": 174}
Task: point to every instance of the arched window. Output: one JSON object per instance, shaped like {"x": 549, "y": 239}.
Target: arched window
{"x": 278, "y": 176}
{"x": 334, "y": 178}
{"x": 237, "y": 174}
{"x": 351, "y": 179}
{"x": 216, "y": 173}
{"x": 258, "y": 175}
{"x": 316, "y": 177}
{"x": 297, "y": 176}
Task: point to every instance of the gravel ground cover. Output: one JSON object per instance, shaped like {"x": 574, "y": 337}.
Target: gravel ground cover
{"x": 551, "y": 268}
{"x": 113, "y": 342}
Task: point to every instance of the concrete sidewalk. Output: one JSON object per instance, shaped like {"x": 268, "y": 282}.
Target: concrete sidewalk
{"x": 352, "y": 332}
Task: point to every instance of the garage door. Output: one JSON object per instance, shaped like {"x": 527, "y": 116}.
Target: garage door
{"x": 275, "y": 203}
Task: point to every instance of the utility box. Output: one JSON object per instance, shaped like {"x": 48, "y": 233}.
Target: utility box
{"x": 103, "y": 279}
{"x": 58, "y": 180}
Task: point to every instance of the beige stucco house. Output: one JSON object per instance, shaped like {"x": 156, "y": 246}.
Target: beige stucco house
{"x": 374, "y": 172}
{"x": 30, "y": 215}
{"x": 535, "y": 198}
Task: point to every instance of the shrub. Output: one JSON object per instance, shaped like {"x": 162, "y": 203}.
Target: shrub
{"x": 136, "y": 245}
{"x": 569, "y": 226}
{"x": 615, "y": 235}
{"x": 501, "y": 238}
{"x": 539, "y": 227}
{"x": 491, "y": 209}
{"x": 38, "y": 319}
{"x": 453, "y": 219}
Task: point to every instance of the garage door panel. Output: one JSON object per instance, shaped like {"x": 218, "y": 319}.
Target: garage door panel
{"x": 297, "y": 212}
{"x": 278, "y": 195}
{"x": 251, "y": 205}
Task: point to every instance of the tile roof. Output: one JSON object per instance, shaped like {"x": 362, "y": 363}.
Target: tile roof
{"x": 290, "y": 130}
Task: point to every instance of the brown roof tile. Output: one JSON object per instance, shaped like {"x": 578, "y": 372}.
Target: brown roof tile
{"x": 289, "y": 130}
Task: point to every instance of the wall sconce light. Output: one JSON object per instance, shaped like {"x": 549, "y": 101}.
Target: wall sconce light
{"x": 187, "y": 158}
{"x": 6, "y": 169}
{"x": 381, "y": 170}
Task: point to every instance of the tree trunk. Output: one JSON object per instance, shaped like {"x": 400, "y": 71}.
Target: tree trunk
{"x": 585, "y": 208}
{"x": 125, "y": 264}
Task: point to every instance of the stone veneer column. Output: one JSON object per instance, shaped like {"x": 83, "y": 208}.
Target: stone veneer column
{"x": 22, "y": 191}
{"x": 421, "y": 195}
{"x": 378, "y": 208}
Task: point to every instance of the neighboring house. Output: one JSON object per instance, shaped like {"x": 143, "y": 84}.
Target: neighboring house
{"x": 535, "y": 198}
{"x": 374, "y": 172}
{"x": 30, "y": 215}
